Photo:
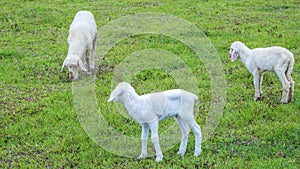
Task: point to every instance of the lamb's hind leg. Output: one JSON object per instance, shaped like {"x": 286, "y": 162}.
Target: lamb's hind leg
{"x": 198, "y": 136}
{"x": 285, "y": 85}
{"x": 88, "y": 59}
{"x": 185, "y": 130}
{"x": 291, "y": 93}
{"x": 93, "y": 54}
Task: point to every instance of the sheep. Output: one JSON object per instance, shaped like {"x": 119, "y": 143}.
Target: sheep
{"x": 82, "y": 44}
{"x": 259, "y": 60}
{"x": 149, "y": 109}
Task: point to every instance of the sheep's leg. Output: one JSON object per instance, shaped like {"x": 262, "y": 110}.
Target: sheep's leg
{"x": 92, "y": 63}
{"x": 144, "y": 138}
{"x": 290, "y": 79}
{"x": 198, "y": 136}
{"x": 260, "y": 83}
{"x": 285, "y": 85}
{"x": 185, "y": 130}
{"x": 291, "y": 93}
{"x": 256, "y": 77}
{"x": 88, "y": 60}
{"x": 188, "y": 117}
{"x": 155, "y": 140}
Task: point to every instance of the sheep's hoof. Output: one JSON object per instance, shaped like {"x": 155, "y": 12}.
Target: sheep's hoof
{"x": 181, "y": 153}
{"x": 256, "y": 98}
{"x": 284, "y": 101}
{"x": 196, "y": 154}
{"x": 159, "y": 158}
{"x": 142, "y": 156}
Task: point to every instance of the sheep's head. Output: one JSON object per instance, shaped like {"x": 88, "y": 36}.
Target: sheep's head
{"x": 72, "y": 63}
{"x": 117, "y": 93}
{"x": 233, "y": 53}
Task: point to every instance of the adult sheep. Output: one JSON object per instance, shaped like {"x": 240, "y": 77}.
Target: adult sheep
{"x": 259, "y": 60}
{"x": 82, "y": 44}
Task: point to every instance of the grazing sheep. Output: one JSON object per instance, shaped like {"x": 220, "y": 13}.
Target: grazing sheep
{"x": 82, "y": 43}
{"x": 259, "y": 60}
{"x": 149, "y": 109}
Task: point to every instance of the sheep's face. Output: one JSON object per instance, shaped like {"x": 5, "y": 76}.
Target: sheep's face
{"x": 233, "y": 54}
{"x": 73, "y": 72}
{"x": 116, "y": 94}
{"x": 72, "y": 66}
{"x": 73, "y": 63}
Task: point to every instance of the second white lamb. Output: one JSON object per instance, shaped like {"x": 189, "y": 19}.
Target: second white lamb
{"x": 259, "y": 60}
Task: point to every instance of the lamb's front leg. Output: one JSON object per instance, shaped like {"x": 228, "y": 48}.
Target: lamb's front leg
{"x": 144, "y": 138}
{"x": 261, "y": 75}
{"x": 256, "y": 81}
{"x": 155, "y": 140}
{"x": 88, "y": 60}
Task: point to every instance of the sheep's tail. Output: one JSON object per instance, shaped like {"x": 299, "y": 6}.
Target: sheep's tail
{"x": 195, "y": 97}
{"x": 290, "y": 65}
{"x": 188, "y": 96}
{"x": 196, "y": 103}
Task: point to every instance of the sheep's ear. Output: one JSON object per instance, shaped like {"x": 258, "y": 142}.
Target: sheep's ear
{"x": 234, "y": 55}
{"x": 110, "y": 99}
{"x": 63, "y": 66}
{"x": 114, "y": 95}
{"x": 81, "y": 65}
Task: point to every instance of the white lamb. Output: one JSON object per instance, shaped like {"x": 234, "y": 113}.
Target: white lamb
{"x": 259, "y": 60}
{"x": 149, "y": 109}
{"x": 82, "y": 43}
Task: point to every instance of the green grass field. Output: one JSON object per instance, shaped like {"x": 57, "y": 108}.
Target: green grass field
{"x": 39, "y": 126}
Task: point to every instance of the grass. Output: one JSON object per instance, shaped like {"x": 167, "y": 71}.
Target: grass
{"x": 39, "y": 126}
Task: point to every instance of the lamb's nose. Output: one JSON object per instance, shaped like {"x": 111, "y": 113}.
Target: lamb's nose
{"x": 71, "y": 76}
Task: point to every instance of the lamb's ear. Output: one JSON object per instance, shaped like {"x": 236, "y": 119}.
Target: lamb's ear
{"x": 81, "y": 65}
{"x": 114, "y": 95}
{"x": 110, "y": 99}
{"x": 234, "y": 55}
{"x": 63, "y": 66}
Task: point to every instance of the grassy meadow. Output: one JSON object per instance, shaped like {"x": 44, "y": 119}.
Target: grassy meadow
{"x": 39, "y": 126}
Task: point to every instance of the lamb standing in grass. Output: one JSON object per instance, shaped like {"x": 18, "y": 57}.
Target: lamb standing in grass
{"x": 259, "y": 60}
{"x": 149, "y": 109}
{"x": 82, "y": 43}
